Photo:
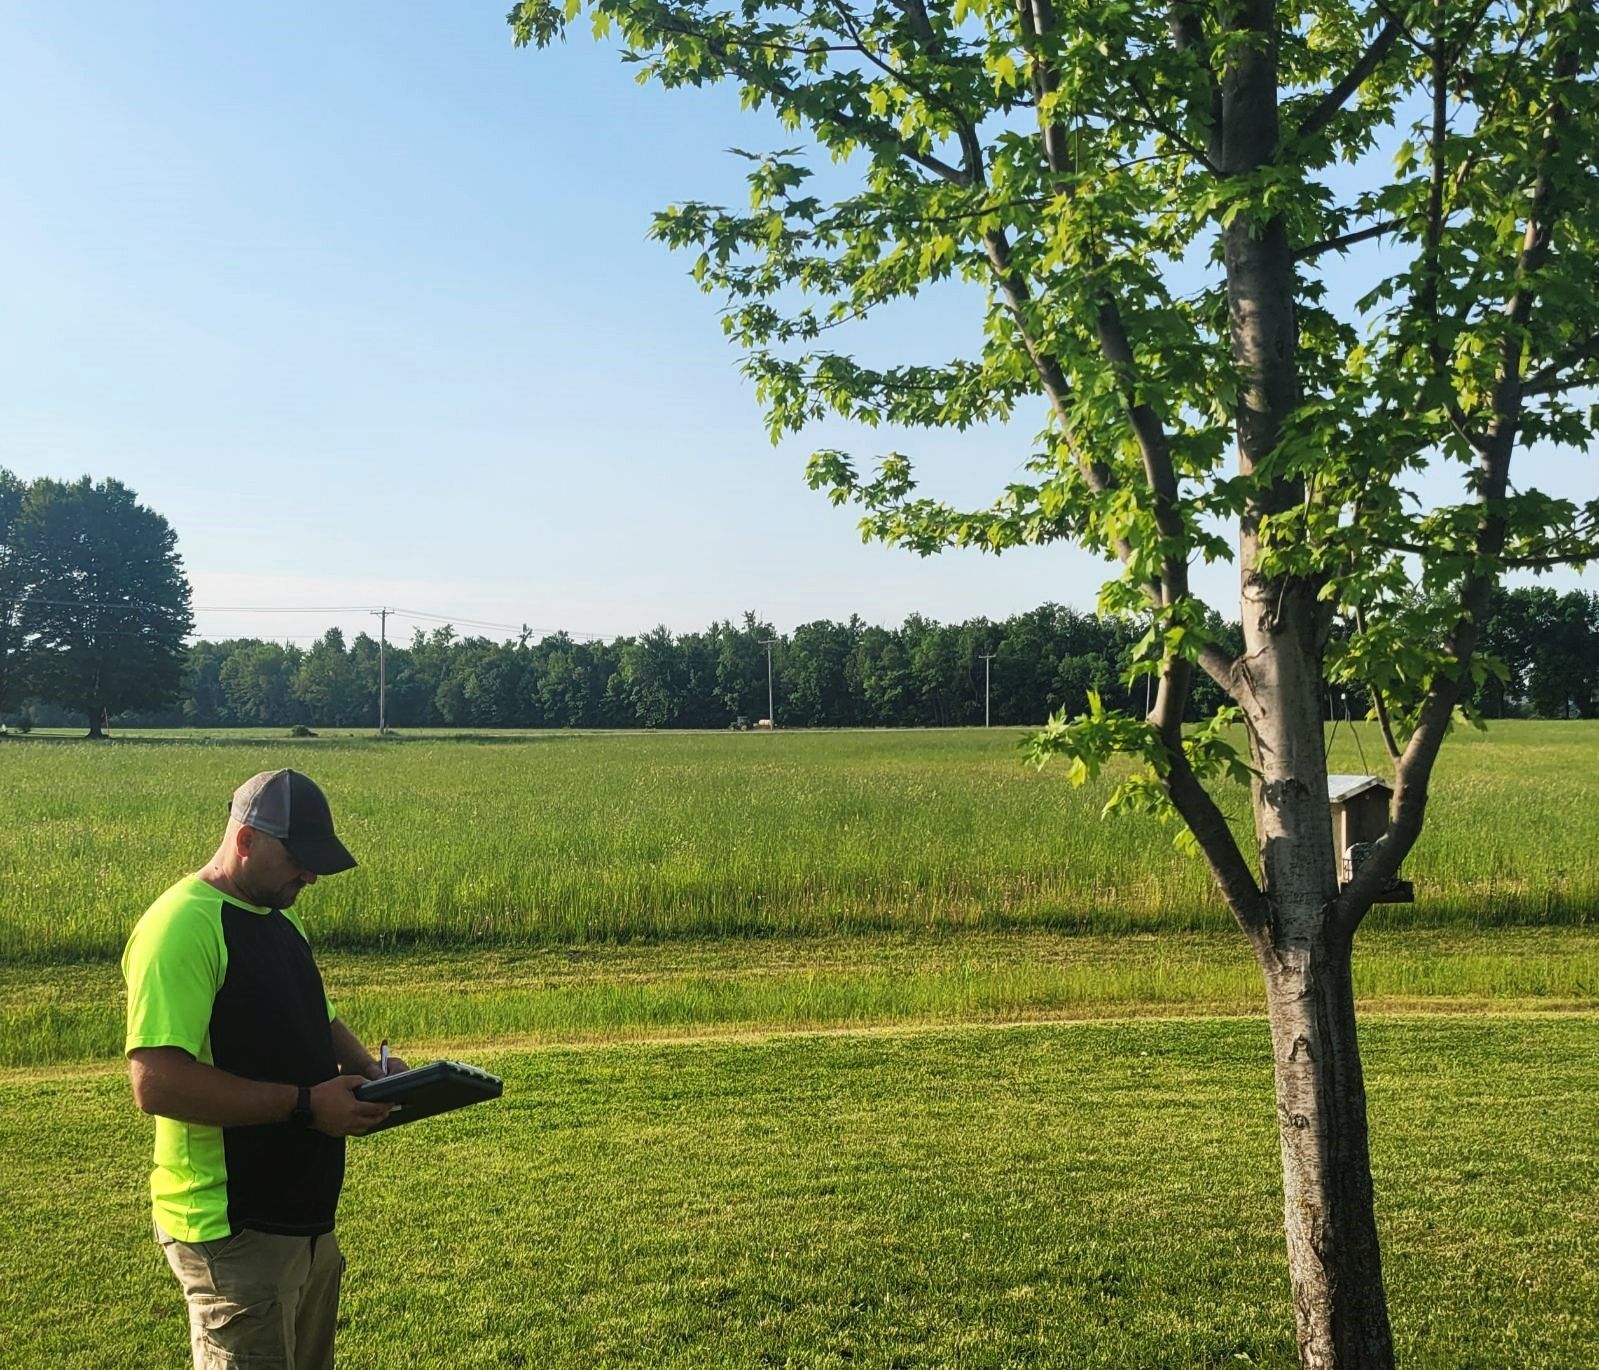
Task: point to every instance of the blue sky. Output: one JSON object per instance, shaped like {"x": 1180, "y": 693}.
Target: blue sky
{"x": 359, "y": 297}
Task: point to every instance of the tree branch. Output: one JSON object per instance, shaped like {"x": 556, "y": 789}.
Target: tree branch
{"x": 1334, "y": 100}
{"x": 1379, "y": 706}
{"x": 1200, "y": 811}
{"x": 865, "y": 130}
{"x": 1377, "y": 230}
{"x": 1186, "y": 22}
{"x": 1548, "y": 380}
{"x": 1414, "y": 769}
{"x": 1038, "y": 18}
{"x": 1224, "y": 670}
{"x": 971, "y": 148}
{"x": 1543, "y": 561}
{"x": 1155, "y": 126}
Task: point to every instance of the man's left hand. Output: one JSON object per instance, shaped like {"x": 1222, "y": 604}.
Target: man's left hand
{"x": 396, "y": 1065}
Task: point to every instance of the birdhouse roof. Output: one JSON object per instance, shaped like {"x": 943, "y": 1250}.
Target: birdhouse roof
{"x": 1341, "y": 788}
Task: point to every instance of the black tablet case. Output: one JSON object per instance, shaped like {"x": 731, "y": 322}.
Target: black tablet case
{"x": 434, "y": 1088}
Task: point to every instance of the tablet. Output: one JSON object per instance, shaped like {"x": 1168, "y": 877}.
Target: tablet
{"x": 436, "y": 1087}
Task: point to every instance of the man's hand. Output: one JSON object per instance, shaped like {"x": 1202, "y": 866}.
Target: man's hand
{"x": 336, "y": 1111}
{"x": 355, "y": 1059}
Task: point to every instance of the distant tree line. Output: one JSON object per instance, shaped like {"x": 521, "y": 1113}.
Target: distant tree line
{"x": 1548, "y": 645}
{"x": 94, "y": 612}
{"x": 824, "y": 674}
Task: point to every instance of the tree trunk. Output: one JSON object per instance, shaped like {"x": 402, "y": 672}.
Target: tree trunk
{"x": 1334, "y": 1263}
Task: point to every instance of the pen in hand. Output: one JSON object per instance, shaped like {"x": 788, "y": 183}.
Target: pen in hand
{"x": 383, "y": 1056}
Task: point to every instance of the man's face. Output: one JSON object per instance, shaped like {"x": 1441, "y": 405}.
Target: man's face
{"x": 269, "y": 876}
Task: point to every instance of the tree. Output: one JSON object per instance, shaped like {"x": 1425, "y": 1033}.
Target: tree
{"x": 1562, "y": 683}
{"x": 1155, "y": 199}
{"x": 327, "y": 686}
{"x": 741, "y": 667}
{"x": 12, "y": 583}
{"x": 206, "y": 703}
{"x": 698, "y": 656}
{"x": 652, "y": 678}
{"x": 561, "y": 687}
{"x": 818, "y": 676}
{"x": 106, "y": 607}
{"x": 258, "y": 680}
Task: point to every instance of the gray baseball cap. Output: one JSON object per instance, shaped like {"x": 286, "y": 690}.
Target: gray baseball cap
{"x": 292, "y": 808}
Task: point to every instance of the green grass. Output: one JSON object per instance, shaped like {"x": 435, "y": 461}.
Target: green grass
{"x": 639, "y": 931}
{"x": 455, "y": 1002}
{"x": 556, "y": 839}
{"x": 1089, "y": 1195}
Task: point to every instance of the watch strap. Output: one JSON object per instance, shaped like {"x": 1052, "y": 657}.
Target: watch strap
{"x": 301, "y": 1116}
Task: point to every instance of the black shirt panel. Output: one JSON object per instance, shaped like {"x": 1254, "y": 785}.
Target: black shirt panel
{"x": 270, "y": 1022}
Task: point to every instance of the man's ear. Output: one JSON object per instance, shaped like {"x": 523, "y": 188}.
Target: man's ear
{"x": 243, "y": 840}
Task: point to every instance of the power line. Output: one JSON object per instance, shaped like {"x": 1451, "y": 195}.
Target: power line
{"x": 454, "y": 620}
{"x": 283, "y": 608}
{"x": 421, "y": 616}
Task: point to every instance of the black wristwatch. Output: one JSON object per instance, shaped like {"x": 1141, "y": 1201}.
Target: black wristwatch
{"x": 301, "y": 1115}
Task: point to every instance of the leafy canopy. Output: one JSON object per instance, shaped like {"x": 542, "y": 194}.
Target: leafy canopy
{"x": 1071, "y": 160}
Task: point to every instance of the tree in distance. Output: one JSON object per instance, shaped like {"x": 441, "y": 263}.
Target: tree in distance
{"x": 12, "y": 494}
{"x": 105, "y": 606}
{"x": 1159, "y": 202}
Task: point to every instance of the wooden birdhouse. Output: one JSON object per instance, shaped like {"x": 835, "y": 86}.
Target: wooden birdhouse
{"x": 1360, "y": 817}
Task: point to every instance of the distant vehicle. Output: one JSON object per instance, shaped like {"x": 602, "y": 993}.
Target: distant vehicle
{"x": 763, "y": 723}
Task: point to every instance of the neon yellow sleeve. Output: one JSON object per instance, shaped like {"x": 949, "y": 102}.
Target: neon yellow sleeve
{"x": 173, "y": 965}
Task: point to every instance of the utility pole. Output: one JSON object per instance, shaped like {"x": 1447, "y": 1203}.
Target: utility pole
{"x": 382, "y": 616}
{"x": 771, "y": 711}
{"x": 986, "y": 669}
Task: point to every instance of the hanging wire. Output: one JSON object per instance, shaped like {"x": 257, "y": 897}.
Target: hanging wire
{"x": 1364, "y": 770}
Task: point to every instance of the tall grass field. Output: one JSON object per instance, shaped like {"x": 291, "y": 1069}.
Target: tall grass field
{"x": 553, "y": 839}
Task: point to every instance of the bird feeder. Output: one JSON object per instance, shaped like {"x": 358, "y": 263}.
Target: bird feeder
{"x": 1360, "y": 817}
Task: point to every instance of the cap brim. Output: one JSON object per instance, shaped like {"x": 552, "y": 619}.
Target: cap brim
{"x": 321, "y": 855}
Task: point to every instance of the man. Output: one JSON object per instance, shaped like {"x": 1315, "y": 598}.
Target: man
{"x": 233, "y": 1045}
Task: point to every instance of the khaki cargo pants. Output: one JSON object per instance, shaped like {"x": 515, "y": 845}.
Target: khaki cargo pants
{"x": 257, "y": 1299}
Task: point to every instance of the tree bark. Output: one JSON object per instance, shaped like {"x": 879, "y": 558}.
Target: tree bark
{"x": 1329, "y": 1217}
{"x": 1334, "y": 1264}
{"x": 1340, "y": 1308}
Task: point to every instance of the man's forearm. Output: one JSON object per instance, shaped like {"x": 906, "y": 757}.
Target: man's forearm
{"x": 348, "y": 1051}
{"x": 171, "y": 1083}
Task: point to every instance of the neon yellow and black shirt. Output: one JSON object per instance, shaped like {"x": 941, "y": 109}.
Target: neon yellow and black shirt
{"x": 235, "y": 986}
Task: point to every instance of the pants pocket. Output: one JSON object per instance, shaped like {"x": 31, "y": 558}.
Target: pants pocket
{"x": 212, "y": 1250}
{"x": 249, "y": 1335}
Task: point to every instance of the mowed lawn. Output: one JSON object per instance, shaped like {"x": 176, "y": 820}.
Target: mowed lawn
{"x": 465, "y": 1000}
{"x": 1099, "y": 1194}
